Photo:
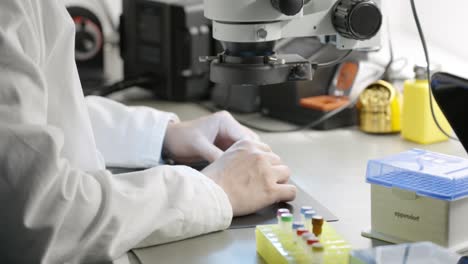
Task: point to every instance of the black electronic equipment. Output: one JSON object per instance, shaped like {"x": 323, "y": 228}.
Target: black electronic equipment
{"x": 451, "y": 93}
{"x": 163, "y": 40}
{"x": 281, "y": 101}
{"x": 89, "y": 43}
{"x": 246, "y": 98}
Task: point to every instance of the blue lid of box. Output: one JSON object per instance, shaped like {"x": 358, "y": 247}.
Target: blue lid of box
{"x": 427, "y": 173}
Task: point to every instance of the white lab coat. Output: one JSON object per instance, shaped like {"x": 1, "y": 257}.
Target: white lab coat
{"x": 58, "y": 203}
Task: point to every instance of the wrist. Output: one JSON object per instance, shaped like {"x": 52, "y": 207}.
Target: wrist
{"x": 171, "y": 124}
{"x": 215, "y": 177}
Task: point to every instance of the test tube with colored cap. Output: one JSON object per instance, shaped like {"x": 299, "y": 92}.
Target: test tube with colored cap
{"x": 305, "y": 237}
{"x": 296, "y": 225}
{"x": 286, "y": 223}
{"x": 303, "y": 210}
{"x": 317, "y": 253}
{"x": 281, "y": 211}
{"x": 312, "y": 240}
{"x": 317, "y": 224}
{"x": 308, "y": 215}
{"x": 299, "y": 233}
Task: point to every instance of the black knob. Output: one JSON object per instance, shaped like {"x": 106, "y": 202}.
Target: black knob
{"x": 357, "y": 19}
{"x": 288, "y": 7}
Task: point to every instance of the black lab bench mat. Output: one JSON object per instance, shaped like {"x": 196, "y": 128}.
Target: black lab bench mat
{"x": 267, "y": 215}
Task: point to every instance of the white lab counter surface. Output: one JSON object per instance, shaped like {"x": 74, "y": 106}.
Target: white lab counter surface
{"x": 329, "y": 165}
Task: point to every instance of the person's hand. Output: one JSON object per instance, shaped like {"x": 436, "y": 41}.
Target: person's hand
{"x": 252, "y": 176}
{"x": 205, "y": 138}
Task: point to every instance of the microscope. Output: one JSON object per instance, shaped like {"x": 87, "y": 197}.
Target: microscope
{"x": 249, "y": 29}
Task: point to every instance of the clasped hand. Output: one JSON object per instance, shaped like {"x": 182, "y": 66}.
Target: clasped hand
{"x": 250, "y": 174}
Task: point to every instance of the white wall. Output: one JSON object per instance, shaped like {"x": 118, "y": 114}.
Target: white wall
{"x": 445, "y": 24}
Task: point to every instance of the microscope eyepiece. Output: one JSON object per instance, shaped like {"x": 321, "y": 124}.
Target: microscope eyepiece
{"x": 288, "y": 7}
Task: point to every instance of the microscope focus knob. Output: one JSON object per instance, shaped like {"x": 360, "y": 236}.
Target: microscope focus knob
{"x": 288, "y": 7}
{"x": 357, "y": 19}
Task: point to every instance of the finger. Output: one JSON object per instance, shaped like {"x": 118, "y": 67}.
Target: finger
{"x": 285, "y": 193}
{"x": 271, "y": 158}
{"x": 251, "y": 135}
{"x": 252, "y": 145}
{"x": 209, "y": 151}
{"x": 282, "y": 173}
{"x": 262, "y": 146}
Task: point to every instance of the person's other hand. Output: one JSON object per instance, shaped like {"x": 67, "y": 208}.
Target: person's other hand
{"x": 205, "y": 138}
{"x": 252, "y": 176}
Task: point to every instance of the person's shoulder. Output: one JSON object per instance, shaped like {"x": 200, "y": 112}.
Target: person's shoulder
{"x": 35, "y": 26}
{"x": 38, "y": 13}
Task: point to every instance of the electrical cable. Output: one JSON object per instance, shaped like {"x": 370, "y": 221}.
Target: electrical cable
{"x": 332, "y": 62}
{"x": 123, "y": 85}
{"x": 300, "y": 128}
{"x": 428, "y": 68}
{"x": 313, "y": 124}
{"x": 296, "y": 129}
{"x": 385, "y": 75}
{"x": 317, "y": 53}
{"x": 310, "y": 125}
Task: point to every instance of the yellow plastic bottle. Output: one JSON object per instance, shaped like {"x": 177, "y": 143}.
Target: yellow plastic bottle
{"x": 418, "y": 124}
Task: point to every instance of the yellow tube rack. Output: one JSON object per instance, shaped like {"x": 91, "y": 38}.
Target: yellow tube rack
{"x": 277, "y": 248}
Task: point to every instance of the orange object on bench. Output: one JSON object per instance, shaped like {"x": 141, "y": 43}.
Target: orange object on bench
{"x": 324, "y": 103}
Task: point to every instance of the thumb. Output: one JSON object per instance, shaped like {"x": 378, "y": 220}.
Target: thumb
{"x": 208, "y": 150}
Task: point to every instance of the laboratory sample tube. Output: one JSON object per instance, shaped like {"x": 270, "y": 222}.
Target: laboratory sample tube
{"x": 317, "y": 253}
{"x": 312, "y": 240}
{"x": 286, "y": 223}
{"x": 303, "y": 210}
{"x": 296, "y": 225}
{"x": 279, "y": 212}
{"x": 299, "y": 233}
{"x": 317, "y": 224}
{"x": 308, "y": 219}
{"x": 305, "y": 237}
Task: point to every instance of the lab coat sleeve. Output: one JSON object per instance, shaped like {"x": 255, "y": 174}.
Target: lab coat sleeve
{"x": 53, "y": 212}
{"x": 129, "y": 137}
{"x": 59, "y": 214}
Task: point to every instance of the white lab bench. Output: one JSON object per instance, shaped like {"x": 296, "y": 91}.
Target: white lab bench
{"x": 329, "y": 165}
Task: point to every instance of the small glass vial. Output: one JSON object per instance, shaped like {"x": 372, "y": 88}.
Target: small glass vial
{"x": 299, "y": 233}
{"x": 303, "y": 210}
{"x": 305, "y": 237}
{"x": 312, "y": 240}
{"x": 308, "y": 215}
{"x": 296, "y": 225}
{"x": 286, "y": 223}
{"x": 317, "y": 253}
{"x": 279, "y": 212}
{"x": 317, "y": 225}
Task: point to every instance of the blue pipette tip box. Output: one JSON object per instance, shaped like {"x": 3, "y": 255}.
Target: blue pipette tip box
{"x": 427, "y": 173}
{"x": 419, "y": 195}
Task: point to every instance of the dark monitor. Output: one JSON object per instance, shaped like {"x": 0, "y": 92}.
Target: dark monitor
{"x": 451, "y": 93}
